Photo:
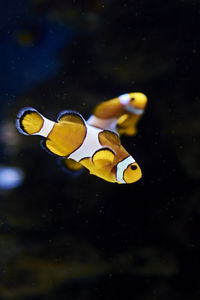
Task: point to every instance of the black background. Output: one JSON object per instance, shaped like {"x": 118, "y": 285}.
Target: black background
{"x": 83, "y": 238}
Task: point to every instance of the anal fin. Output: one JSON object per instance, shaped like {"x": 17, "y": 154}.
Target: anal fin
{"x": 70, "y": 166}
{"x": 51, "y": 148}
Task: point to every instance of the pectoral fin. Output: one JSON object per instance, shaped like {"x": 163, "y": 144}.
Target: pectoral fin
{"x": 103, "y": 158}
{"x": 122, "y": 119}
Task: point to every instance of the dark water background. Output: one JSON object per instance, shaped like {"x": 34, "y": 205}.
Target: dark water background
{"x": 84, "y": 238}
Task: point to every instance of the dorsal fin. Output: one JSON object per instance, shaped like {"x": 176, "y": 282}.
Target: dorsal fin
{"x": 102, "y": 157}
{"x": 70, "y": 116}
{"x": 111, "y": 136}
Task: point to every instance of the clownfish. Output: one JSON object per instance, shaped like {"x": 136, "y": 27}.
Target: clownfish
{"x": 81, "y": 145}
{"x": 119, "y": 114}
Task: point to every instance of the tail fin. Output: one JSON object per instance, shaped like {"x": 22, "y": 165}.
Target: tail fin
{"x": 29, "y": 121}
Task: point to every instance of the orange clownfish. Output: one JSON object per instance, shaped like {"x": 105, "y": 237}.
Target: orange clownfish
{"x": 119, "y": 114}
{"x": 82, "y": 145}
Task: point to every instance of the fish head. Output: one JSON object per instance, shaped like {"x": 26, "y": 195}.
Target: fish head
{"x": 138, "y": 100}
{"x": 132, "y": 173}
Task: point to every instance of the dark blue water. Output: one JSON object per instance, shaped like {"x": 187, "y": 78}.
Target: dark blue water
{"x": 66, "y": 237}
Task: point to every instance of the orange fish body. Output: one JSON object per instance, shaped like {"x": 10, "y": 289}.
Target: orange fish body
{"x": 120, "y": 114}
{"x": 80, "y": 144}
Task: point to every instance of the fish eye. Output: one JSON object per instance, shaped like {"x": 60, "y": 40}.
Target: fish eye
{"x": 133, "y": 167}
{"x": 133, "y": 98}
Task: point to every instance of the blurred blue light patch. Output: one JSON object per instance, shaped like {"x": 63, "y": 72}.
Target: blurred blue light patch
{"x": 10, "y": 177}
{"x": 30, "y": 47}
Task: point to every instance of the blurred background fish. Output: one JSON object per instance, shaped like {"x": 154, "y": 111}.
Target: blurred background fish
{"x": 120, "y": 114}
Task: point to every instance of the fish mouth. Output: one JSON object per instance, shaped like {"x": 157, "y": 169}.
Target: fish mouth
{"x": 134, "y": 110}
